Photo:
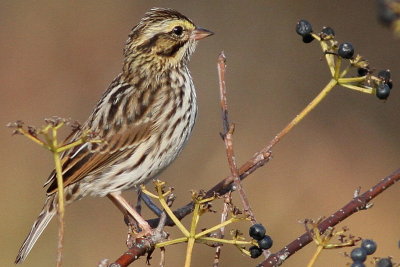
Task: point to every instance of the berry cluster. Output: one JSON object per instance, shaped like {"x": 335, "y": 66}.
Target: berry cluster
{"x": 368, "y": 247}
{"x": 257, "y": 231}
{"x": 381, "y": 84}
{"x": 304, "y": 29}
{"x": 359, "y": 255}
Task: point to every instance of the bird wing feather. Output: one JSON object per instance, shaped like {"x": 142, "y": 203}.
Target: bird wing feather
{"x": 83, "y": 160}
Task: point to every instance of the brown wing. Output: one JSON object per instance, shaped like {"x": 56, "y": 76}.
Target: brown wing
{"x": 90, "y": 159}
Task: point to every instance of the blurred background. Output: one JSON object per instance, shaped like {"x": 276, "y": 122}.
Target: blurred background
{"x": 57, "y": 58}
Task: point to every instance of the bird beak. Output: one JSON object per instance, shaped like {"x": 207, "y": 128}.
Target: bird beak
{"x": 200, "y": 33}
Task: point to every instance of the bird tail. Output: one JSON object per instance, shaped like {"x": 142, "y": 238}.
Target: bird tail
{"x": 47, "y": 213}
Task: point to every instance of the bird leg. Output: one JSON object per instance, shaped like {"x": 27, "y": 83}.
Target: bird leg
{"x": 125, "y": 207}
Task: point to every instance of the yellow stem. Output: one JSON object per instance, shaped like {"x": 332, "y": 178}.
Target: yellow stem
{"x": 205, "y": 200}
{"x": 351, "y": 80}
{"x": 224, "y": 241}
{"x": 46, "y": 129}
{"x": 305, "y": 111}
{"x": 70, "y": 145}
{"x": 34, "y": 139}
{"x": 58, "y": 126}
{"x": 360, "y": 89}
{"x": 60, "y": 193}
{"x": 145, "y": 191}
{"x": 60, "y": 183}
{"x": 195, "y": 219}
{"x": 215, "y": 228}
{"x": 337, "y": 68}
{"x": 316, "y": 37}
{"x": 244, "y": 251}
{"x": 345, "y": 71}
{"x": 315, "y": 256}
{"x": 171, "y": 242}
{"x": 171, "y": 214}
{"x": 189, "y": 251}
{"x": 328, "y": 57}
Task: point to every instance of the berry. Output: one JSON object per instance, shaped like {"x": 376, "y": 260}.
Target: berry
{"x": 328, "y": 31}
{"x": 358, "y": 254}
{"x": 384, "y": 262}
{"x": 303, "y": 27}
{"x": 358, "y": 264}
{"x": 384, "y": 75}
{"x": 255, "y": 252}
{"x": 383, "y": 91}
{"x": 386, "y": 15}
{"x": 369, "y": 245}
{"x": 390, "y": 84}
{"x": 346, "y": 50}
{"x": 266, "y": 242}
{"x": 362, "y": 71}
{"x": 308, "y": 38}
{"x": 257, "y": 231}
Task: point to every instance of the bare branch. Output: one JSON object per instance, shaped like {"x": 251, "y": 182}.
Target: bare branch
{"x": 140, "y": 248}
{"x": 224, "y": 216}
{"x": 227, "y": 135}
{"x": 356, "y": 204}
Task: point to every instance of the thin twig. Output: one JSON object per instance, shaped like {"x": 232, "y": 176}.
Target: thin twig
{"x": 356, "y": 204}
{"x": 162, "y": 257}
{"x": 60, "y": 206}
{"x": 221, "y": 233}
{"x": 227, "y": 135}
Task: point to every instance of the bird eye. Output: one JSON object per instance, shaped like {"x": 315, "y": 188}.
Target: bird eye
{"x": 178, "y": 30}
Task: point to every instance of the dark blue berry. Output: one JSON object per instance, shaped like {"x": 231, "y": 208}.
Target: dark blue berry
{"x": 362, "y": 71}
{"x": 346, "y": 50}
{"x": 384, "y": 75}
{"x": 357, "y": 264}
{"x": 369, "y": 245}
{"x": 308, "y": 38}
{"x": 386, "y": 14}
{"x": 390, "y": 84}
{"x": 303, "y": 27}
{"x": 266, "y": 242}
{"x": 384, "y": 262}
{"x": 328, "y": 31}
{"x": 383, "y": 91}
{"x": 257, "y": 231}
{"x": 255, "y": 252}
{"x": 358, "y": 254}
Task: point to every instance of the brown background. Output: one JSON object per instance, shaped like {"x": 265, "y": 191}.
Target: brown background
{"x": 57, "y": 57}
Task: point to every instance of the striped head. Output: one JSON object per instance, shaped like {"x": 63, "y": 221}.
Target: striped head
{"x": 164, "y": 38}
